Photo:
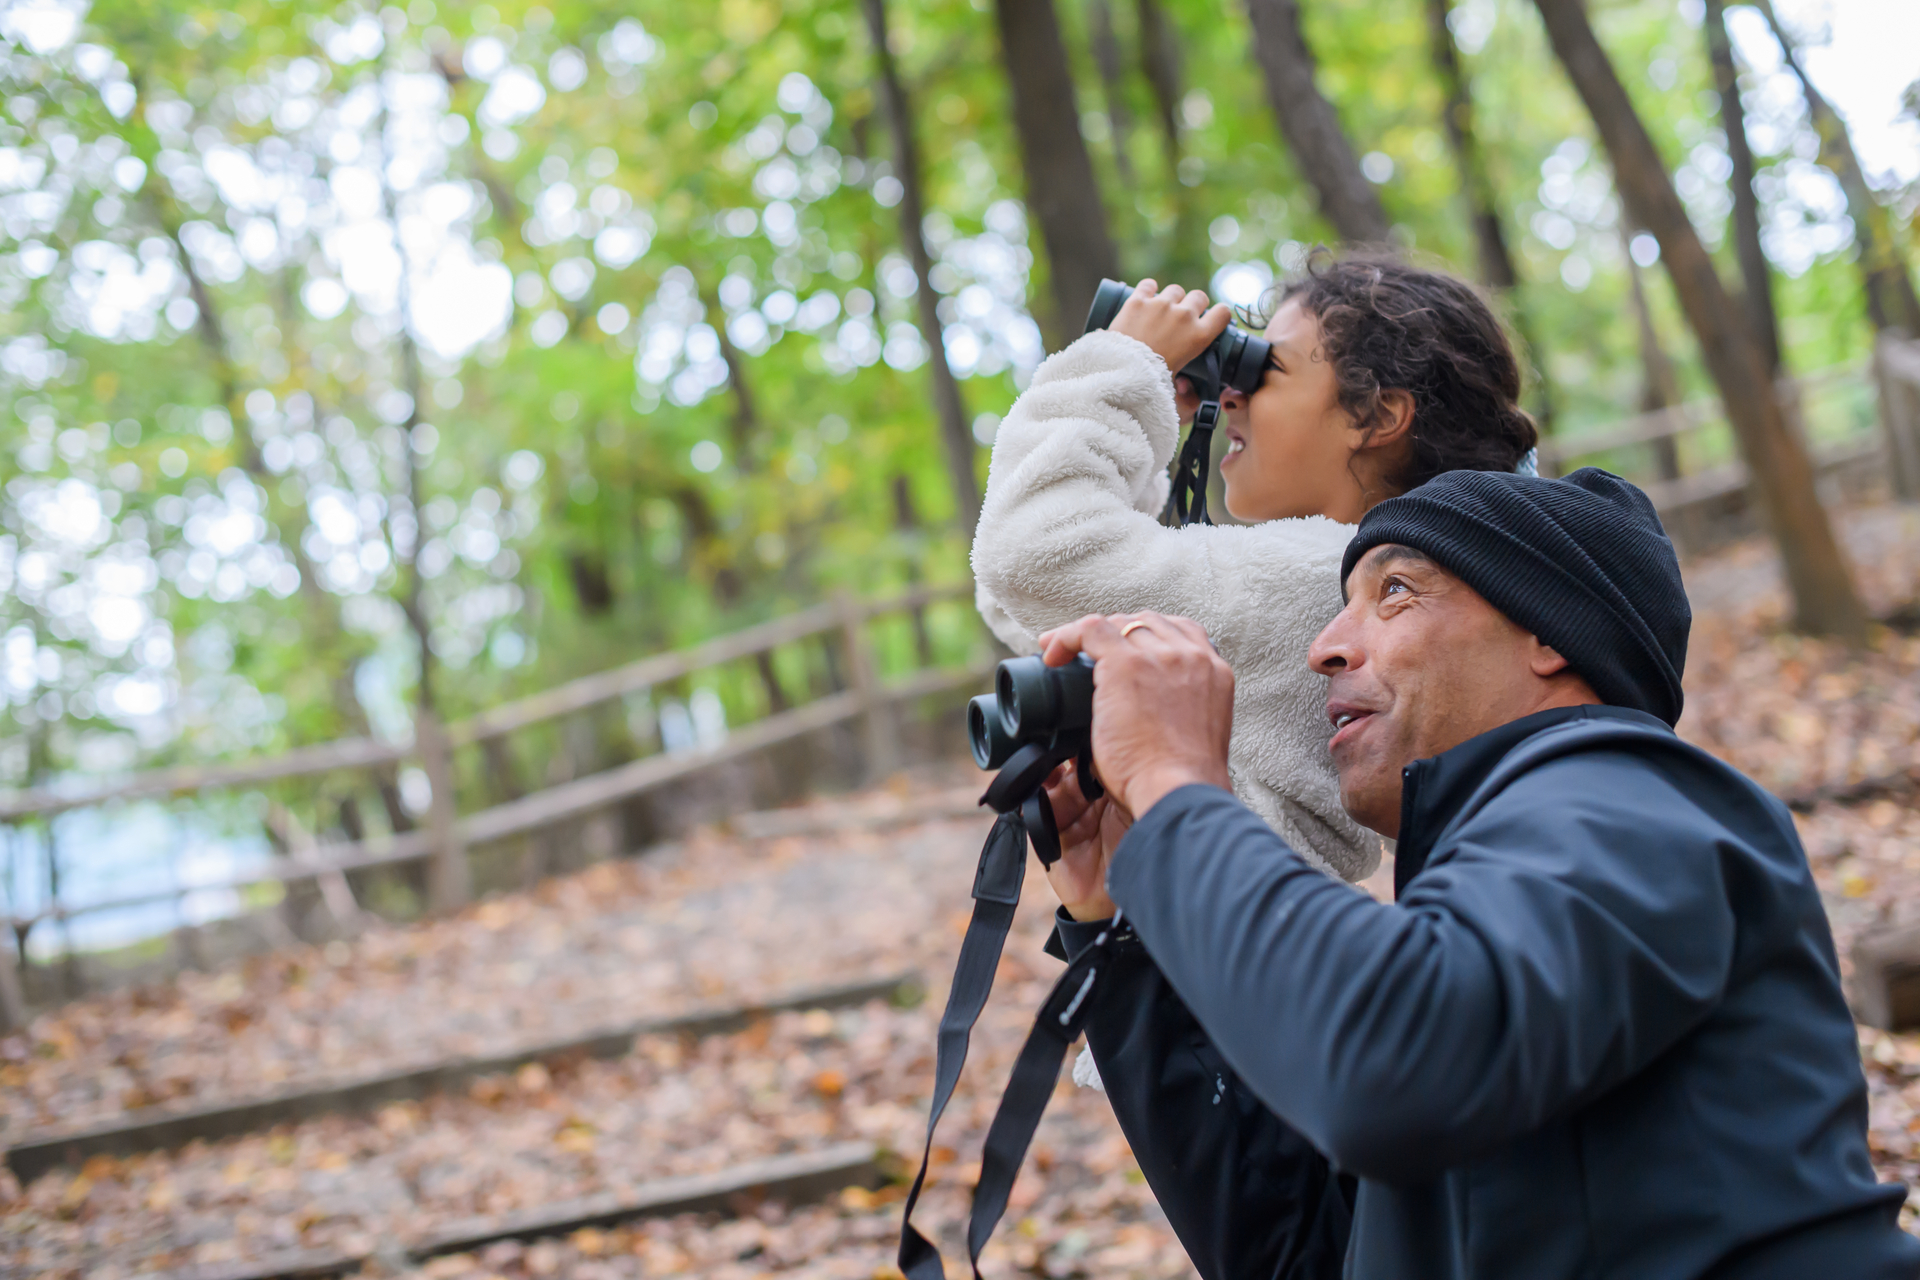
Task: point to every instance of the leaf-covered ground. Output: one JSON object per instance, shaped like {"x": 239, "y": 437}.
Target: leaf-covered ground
{"x": 794, "y": 1082}
{"x": 718, "y": 919}
{"x": 708, "y": 922}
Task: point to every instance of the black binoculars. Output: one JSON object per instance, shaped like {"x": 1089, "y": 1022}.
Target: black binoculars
{"x": 1036, "y": 718}
{"x": 1237, "y": 359}
{"x": 1030, "y": 702}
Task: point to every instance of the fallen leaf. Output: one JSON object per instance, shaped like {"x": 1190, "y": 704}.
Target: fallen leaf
{"x": 76, "y": 1194}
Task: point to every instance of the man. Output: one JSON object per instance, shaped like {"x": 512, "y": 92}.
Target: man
{"x": 1600, "y": 1031}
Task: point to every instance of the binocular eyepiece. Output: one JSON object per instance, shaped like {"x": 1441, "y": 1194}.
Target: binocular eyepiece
{"x": 1237, "y": 359}
{"x": 1037, "y": 718}
{"x": 1031, "y": 703}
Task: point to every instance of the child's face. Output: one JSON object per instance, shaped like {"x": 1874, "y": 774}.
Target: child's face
{"x": 1290, "y": 443}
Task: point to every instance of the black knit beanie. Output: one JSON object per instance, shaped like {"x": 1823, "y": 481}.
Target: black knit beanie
{"x": 1580, "y": 562}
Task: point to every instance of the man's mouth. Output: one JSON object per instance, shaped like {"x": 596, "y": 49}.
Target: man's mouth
{"x": 1235, "y": 442}
{"x": 1346, "y": 722}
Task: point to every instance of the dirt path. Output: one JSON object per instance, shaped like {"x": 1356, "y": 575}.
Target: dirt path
{"x": 722, "y": 918}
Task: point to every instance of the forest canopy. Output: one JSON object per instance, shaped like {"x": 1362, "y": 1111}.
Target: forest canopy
{"x": 536, "y": 338}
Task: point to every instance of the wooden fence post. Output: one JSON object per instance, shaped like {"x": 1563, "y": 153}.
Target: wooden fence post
{"x": 449, "y": 882}
{"x": 881, "y": 745}
{"x": 13, "y": 1001}
{"x": 1896, "y": 375}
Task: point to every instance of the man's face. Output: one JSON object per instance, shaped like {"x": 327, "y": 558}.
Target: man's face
{"x": 1418, "y": 663}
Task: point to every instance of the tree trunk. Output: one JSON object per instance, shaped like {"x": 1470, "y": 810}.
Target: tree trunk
{"x": 1062, "y": 192}
{"x": 1891, "y": 301}
{"x": 770, "y": 682}
{"x": 746, "y": 413}
{"x": 706, "y": 546}
{"x": 1311, "y": 125}
{"x": 289, "y": 520}
{"x": 1183, "y": 254}
{"x": 1483, "y": 202}
{"x": 1756, "y": 277}
{"x": 1107, "y": 57}
{"x": 1782, "y": 475}
{"x": 1660, "y": 387}
{"x": 907, "y": 521}
{"x": 326, "y": 633}
{"x": 1489, "y": 235}
{"x": 1160, "y": 62}
{"x": 443, "y": 880}
{"x": 955, "y": 435}
{"x": 413, "y": 602}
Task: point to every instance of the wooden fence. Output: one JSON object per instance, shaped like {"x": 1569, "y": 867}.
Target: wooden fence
{"x": 1685, "y": 457}
{"x": 856, "y": 691}
{"x": 1689, "y": 465}
{"x": 1896, "y": 374}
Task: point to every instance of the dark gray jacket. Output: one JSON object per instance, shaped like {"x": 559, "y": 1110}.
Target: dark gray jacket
{"x": 1600, "y": 1033}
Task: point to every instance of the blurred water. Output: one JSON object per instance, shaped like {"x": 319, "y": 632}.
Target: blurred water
{"x": 122, "y": 850}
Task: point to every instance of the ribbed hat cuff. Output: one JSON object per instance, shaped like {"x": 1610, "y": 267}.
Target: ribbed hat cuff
{"x": 1624, "y": 668}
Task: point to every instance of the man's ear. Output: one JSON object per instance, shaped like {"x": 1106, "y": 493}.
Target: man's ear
{"x": 1545, "y": 661}
{"x": 1392, "y": 420}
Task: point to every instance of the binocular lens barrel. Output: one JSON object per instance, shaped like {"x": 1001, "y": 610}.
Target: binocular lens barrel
{"x": 1107, "y": 301}
{"x": 1237, "y": 358}
{"x": 1038, "y": 701}
{"x": 1031, "y": 702}
{"x": 987, "y": 733}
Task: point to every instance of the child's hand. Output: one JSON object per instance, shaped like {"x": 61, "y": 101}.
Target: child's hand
{"x": 1178, "y": 325}
{"x": 1186, "y": 401}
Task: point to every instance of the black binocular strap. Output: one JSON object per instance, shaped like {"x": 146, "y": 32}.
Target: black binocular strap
{"x": 1035, "y": 1073}
{"x": 1190, "y": 475}
{"x": 996, "y": 894}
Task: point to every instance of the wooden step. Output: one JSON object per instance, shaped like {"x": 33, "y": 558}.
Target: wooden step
{"x": 791, "y": 1179}
{"x": 152, "y": 1128}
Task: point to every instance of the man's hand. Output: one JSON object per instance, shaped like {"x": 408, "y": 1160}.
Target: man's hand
{"x": 1162, "y": 705}
{"x": 1089, "y": 833}
{"x": 1178, "y": 326}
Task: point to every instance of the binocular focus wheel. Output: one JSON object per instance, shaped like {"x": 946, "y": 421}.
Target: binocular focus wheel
{"x": 1090, "y": 785}
{"x": 1036, "y": 815}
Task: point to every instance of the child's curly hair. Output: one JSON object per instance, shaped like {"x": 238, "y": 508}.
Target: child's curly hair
{"x": 1388, "y": 326}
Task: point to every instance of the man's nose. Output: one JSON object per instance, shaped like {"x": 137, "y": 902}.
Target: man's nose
{"x": 1336, "y": 648}
{"x": 1230, "y": 399}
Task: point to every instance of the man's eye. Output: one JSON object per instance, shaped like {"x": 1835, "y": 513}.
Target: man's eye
{"x": 1393, "y": 585}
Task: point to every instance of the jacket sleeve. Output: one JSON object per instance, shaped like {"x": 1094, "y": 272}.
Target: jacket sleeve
{"x": 1070, "y": 522}
{"x": 1247, "y": 1195}
{"x": 1565, "y": 939}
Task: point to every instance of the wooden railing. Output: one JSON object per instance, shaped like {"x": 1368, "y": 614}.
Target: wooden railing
{"x": 1896, "y": 375}
{"x": 1676, "y": 488}
{"x": 447, "y": 835}
{"x": 863, "y": 695}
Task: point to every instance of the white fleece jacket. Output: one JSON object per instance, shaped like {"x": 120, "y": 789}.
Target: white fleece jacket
{"x": 1069, "y": 527}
